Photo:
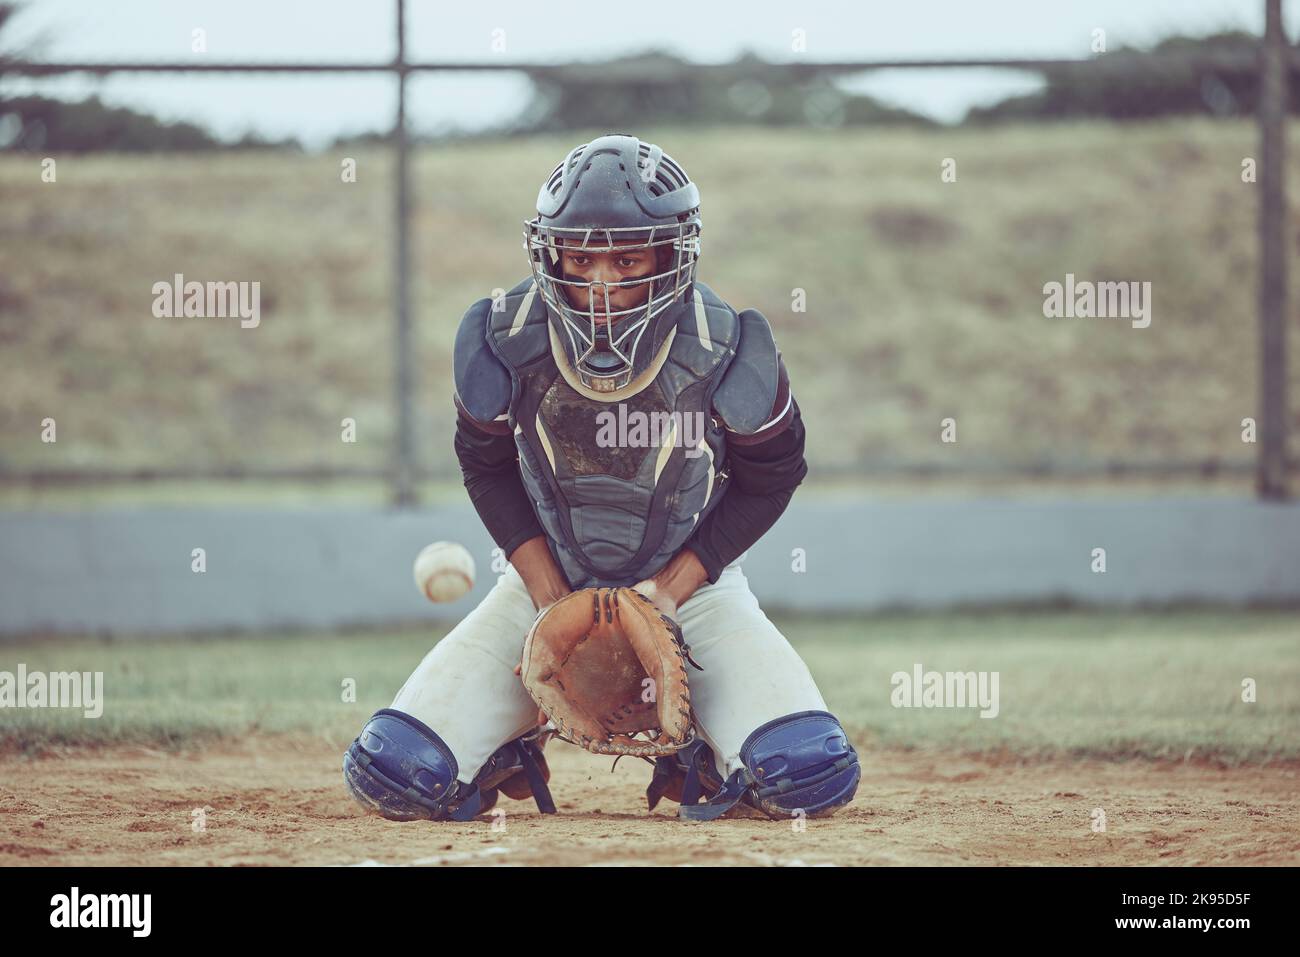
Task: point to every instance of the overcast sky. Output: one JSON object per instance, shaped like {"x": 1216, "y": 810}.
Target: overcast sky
{"x": 318, "y": 108}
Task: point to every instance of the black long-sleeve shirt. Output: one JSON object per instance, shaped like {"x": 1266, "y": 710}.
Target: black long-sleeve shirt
{"x": 763, "y": 471}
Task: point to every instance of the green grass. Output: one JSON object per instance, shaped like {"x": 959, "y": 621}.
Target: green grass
{"x": 178, "y": 691}
{"x": 1080, "y": 683}
{"x": 1071, "y": 683}
{"x": 924, "y": 298}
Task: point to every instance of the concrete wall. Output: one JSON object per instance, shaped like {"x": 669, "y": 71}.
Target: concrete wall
{"x": 129, "y": 571}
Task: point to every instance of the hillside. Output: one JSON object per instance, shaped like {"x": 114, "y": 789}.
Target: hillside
{"x": 924, "y": 298}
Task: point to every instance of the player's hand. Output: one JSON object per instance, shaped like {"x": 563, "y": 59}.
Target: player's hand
{"x": 658, "y": 596}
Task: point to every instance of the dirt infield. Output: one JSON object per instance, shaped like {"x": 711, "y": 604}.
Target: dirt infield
{"x": 280, "y": 800}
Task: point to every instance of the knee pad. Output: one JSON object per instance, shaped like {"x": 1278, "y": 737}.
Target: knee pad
{"x": 799, "y": 762}
{"x": 400, "y": 768}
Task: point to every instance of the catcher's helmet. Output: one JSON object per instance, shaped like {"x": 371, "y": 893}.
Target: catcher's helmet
{"x": 615, "y": 193}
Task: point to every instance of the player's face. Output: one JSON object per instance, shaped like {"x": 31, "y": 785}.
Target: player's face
{"x": 624, "y": 265}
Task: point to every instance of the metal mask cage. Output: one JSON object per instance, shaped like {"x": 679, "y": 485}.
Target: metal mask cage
{"x": 545, "y": 245}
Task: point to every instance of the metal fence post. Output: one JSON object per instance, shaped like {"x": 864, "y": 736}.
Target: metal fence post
{"x": 403, "y": 357}
{"x": 1271, "y": 476}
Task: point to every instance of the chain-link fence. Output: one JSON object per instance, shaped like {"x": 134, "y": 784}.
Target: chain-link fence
{"x": 1086, "y": 281}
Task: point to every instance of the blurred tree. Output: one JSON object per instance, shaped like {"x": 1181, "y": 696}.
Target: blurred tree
{"x": 45, "y": 124}
{"x": 657, "y": 87}
{"x": 1135, "y": 84}
{"x": 41, "y": 123}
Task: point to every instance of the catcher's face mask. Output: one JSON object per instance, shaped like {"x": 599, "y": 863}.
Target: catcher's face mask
{"x": 613, "y": 196}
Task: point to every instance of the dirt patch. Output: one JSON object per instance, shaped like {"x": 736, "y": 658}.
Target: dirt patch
{"x": 280, "y": 800}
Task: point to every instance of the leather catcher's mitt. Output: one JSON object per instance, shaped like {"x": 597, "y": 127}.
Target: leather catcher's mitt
{"x": 585, "y": 662}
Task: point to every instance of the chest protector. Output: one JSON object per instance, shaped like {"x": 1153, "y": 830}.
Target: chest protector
{"x": 619, "y": 480}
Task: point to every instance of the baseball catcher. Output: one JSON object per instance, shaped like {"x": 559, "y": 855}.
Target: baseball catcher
{"x": 625, "y": 436}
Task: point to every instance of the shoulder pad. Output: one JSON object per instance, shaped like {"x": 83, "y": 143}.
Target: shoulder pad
{"x": 517, "y": 326}
{"x": 747, "y": 393}
{"x": 483, "y": 384}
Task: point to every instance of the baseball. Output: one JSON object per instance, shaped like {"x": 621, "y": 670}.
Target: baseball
{"x": 444, "y": 571}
